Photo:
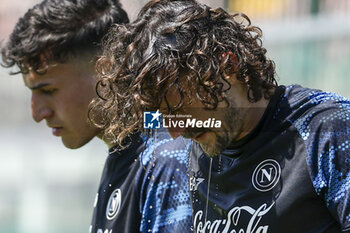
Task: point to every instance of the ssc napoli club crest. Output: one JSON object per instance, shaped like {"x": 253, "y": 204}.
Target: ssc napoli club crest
{"x": 113, "y": 205}
{"x": 266, "y": 175}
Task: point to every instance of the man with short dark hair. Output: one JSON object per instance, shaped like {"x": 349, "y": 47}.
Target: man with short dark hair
{"x": 55, "y": 45}
{"x": 264, "y": 158}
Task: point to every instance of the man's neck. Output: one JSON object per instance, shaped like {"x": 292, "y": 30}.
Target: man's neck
{"x": 253, "y": 115}
{"x": 250, "y": 112}
{"x": 108, "y": 143}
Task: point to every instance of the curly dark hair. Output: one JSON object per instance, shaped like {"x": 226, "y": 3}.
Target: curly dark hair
{"x": 172, "y": 42}
{"x": 53, "y": 30}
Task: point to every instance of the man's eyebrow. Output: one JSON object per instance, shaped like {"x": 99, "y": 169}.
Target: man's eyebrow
{"x": 38, "y": 86}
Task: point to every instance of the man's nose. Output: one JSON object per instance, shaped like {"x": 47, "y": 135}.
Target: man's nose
{"x": 40, "y": 110}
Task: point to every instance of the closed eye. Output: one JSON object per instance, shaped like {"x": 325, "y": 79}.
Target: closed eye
{"x": 49, "y": 91}
{"x": 44, "y": 88}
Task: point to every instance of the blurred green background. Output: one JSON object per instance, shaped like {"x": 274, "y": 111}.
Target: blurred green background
{"x": 45, "y": 187}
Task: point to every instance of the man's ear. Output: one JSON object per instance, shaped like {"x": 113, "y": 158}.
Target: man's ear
{"x": 232, "y": 58}
{"x": 232, "y": 79}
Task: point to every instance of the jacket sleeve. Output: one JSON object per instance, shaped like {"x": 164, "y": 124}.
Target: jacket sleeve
{"x": 327, "y": 137}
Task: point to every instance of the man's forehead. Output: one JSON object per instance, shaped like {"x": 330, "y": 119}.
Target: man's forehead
{"x": 49, "y": 69}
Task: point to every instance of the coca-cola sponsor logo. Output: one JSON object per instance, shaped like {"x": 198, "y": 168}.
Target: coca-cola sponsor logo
{"x": 232, "y": 224}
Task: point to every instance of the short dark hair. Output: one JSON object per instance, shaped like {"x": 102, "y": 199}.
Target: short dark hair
{"x": 55, "y": 29}
{"x": 171, "y": 39}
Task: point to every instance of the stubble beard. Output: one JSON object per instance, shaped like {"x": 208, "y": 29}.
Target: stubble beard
{"x": 232, "y": 127}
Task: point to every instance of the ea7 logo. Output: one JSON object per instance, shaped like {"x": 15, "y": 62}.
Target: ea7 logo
{"x": 151, "y": 120}
{"x": 194, "y": 182}
{"x": 266, "y": 175}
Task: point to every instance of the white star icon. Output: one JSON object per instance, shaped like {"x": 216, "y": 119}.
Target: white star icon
{"x": 156, "y": 115}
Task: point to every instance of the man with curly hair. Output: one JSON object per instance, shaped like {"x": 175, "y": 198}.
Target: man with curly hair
{"x": 55, "y": 45}
{"x": 264, "y": 158}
